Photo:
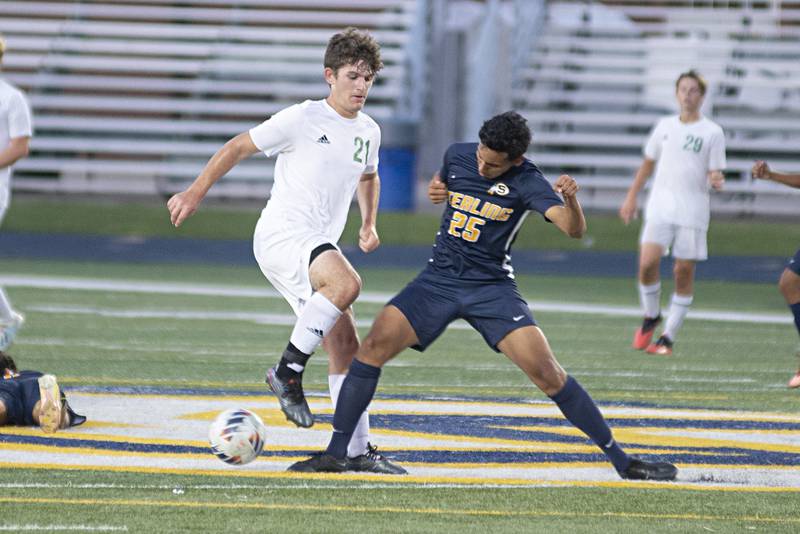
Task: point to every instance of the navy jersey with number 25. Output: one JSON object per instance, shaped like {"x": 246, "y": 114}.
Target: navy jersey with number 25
{"x": 483, "y": 216}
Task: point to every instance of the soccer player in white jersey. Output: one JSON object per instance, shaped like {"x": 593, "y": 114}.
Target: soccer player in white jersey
{"x": 326, "y": 150}
{"x": 687, "y": 152}
{"x": 15, "y": 136}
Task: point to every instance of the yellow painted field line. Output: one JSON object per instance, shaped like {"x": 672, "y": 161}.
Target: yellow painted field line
{"x": 393, "y": 510}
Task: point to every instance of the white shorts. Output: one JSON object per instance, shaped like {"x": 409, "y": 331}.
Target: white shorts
{"x": 686, "y": 243}
{"x": 284, "y": 258}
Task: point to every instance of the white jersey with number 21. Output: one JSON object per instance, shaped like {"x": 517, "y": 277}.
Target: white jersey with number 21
{"x": 321, "y": 157}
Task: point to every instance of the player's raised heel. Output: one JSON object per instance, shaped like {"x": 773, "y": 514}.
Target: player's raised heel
{"x": 641, "y": 470}
{"x": 794, "y": 382}
{"x": 291, "y": 398}
{"x": 9, "y": 329}
{"x": 644, "y": 334}
{"x": 49, "y": 404}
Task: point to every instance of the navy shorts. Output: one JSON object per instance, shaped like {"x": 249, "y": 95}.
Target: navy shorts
{"x": 794, "y": 263}
{"x": 431, "y": 302}
{"x": 20, "y": 395}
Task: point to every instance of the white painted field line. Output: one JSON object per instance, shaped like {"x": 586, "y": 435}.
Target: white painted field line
{"x": 177, "y": 288}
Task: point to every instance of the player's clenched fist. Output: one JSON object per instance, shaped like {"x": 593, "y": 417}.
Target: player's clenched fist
{"x": 368, "y": 239}
{"x": 760, "y": 170}
{"x": 437, "y": 190}
{"x": 566, "y": 185}
{"x": 181, "y": 206}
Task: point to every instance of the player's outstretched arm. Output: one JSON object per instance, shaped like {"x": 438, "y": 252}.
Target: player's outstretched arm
{"x": 627, "y": 212}
{"x": 437, "y": 189}
{"x": 762, "y": 171}
{"x": 185, "y": 203}
{"x": 368, "y": 193}
{"x": 569, "y": 217}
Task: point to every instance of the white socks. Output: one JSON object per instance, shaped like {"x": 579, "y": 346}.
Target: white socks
{"x": 5, "y": 307}
{"x": 358, "y": 443}
{"x": 314, "y": 322}
{"x": 678, "y": 309}
{"x": 650, "y": 298}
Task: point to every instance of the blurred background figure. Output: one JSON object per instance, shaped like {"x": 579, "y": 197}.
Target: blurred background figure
{"x": 15, "y": 135}
{"x": 690, "y": 151}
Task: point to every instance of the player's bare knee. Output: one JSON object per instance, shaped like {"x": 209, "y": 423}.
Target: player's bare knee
{"x": 351, "y": 287}
{"x": 374, "y": 350}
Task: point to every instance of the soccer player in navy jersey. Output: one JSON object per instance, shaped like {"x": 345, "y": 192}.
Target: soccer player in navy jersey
{"x": 789, "y": 283}
{"x": 490, "y": 187}
{"x": 29, "y": 398}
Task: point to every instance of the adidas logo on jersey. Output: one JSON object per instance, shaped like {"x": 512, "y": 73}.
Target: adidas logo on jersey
{"x": 323, "y": 140}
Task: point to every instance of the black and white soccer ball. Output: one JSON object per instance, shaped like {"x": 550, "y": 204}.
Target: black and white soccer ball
{"x": 237, "y": 436}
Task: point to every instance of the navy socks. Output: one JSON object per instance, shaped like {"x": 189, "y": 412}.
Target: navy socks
{"x": 357, "y": 391}
{"x": 579, "y": 408}
{"x": 796, "y": 312}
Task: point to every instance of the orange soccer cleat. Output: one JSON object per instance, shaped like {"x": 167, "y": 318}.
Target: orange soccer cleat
{"x": 662, "y": 347}
{"x": 643, "y": 335}
{"x": 794, "y": 382}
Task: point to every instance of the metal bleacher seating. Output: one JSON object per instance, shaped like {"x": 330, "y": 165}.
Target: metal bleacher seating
{"x": 134, "y": 96}
{"x": 603, "y": 72}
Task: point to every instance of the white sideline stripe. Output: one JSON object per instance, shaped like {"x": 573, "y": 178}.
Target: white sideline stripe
{"x": 177, "y": 288}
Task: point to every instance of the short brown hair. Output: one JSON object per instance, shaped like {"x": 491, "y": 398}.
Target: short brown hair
{"x": 693, "y": 74}
{"x": 351, "y": 47}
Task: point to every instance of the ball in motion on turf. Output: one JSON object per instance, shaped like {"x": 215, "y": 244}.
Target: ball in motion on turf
{"x": 237, "y": 436}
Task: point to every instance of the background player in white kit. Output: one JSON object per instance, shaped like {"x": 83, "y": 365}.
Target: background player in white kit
{"x": 690, "y": 151}
{"x": 327, "y": 150}
{"x": 15, "y": 135}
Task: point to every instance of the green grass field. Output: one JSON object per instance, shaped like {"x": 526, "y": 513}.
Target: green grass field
{"x": 114, "y": 338}
{"x": 727, "y": 236}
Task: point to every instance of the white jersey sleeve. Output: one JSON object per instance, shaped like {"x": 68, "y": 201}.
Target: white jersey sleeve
{"x": 277, "y": 134}
{"x": 372, "y": 157}
{"x": 19, "y": 117}
{"x": 716, "y": 154}
{"x": 652, "y": 148}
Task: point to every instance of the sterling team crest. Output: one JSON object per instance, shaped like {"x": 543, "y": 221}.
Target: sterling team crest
{"x": 499, "y": 189}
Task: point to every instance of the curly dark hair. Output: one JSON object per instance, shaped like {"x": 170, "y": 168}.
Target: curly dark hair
{"x": 508, "y": 133}
{"x": 7, "y": 362}
{"x": 351, "y": 47}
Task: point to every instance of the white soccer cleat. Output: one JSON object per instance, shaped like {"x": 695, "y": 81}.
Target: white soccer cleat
{"x": 9, "y": 329}
{"x": 49, "y": 404}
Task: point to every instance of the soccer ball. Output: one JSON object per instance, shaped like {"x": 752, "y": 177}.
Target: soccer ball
{"x": 237, "y": 436}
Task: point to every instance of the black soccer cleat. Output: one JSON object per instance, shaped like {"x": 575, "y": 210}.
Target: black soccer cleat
{"x": 374, "y": 462}
{"x": 641, "y": 470}
{"x": 291, "y": 398}
{"x": 320, "y": 463}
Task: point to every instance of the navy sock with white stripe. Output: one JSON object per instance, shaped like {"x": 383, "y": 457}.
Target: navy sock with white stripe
{"x": 357, "y": 391}
{"x": 579, "y": 408}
